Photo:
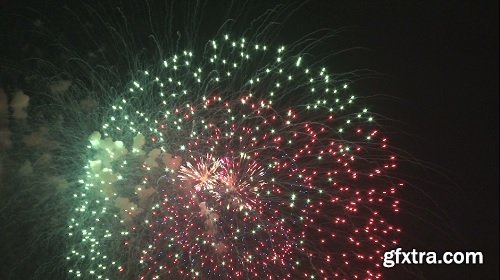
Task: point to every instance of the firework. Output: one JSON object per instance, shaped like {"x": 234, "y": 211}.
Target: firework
{"x": 239, "y": 162}
{"x": 234, "y": 160}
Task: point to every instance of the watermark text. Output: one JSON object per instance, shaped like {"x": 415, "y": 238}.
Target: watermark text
{"x": 398, "y": 256}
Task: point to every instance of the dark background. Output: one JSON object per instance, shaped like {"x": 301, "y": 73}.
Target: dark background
{"x": 439, "y": 61}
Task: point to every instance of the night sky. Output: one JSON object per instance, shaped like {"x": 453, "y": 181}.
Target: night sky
{"x": 438, "y": 62}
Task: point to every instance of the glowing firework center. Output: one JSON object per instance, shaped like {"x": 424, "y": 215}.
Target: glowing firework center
{"x": 224, "y": 178}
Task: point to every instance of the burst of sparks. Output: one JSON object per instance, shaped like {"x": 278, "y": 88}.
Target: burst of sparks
{"x": 237, "y": 183}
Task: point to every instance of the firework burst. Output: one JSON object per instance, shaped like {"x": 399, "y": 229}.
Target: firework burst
{"x": 244, "y": 164}
{"x": 204, "y": 173}
{"x": 235, "y": 160}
